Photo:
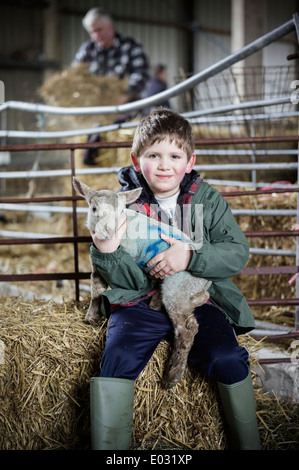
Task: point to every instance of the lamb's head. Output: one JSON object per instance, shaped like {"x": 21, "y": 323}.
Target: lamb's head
{"x": 106, "y": 208}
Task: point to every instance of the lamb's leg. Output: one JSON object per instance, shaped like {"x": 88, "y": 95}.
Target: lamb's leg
{"x": 98, "y": 286}
{"x": 156, "y": 301}
{"x": 185, "y": 328}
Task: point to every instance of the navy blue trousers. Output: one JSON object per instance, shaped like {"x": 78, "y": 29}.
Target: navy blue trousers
{"x": 134, "y": 333}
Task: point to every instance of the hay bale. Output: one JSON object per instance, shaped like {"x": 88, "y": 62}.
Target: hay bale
{"x": 49, "y": 357}
{"x": 77, "y": 87}
{"x": 268, "y": 286}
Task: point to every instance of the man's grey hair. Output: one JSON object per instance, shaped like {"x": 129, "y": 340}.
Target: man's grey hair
{"x": 94, "y": 14}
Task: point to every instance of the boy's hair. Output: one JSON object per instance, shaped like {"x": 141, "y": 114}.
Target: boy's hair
{"x": 160, "y": 124}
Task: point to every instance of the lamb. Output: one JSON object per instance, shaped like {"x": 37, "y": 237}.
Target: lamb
{"x": 142, "y": 241}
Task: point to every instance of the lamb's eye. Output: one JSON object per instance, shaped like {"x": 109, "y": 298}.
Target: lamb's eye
{"x": 94, "y": 209}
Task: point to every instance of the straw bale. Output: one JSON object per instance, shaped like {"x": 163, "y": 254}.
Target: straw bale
{"x": 50, "y": 355}
{"x": 106, "y": 158}
{"x": 268, "y": 286}
{"x": 76, "y": 87}
{"x": 47, "y": 357}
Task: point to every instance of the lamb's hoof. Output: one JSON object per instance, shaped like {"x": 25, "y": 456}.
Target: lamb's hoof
{"x": 200, "y": 299}
{"x": 192, "y": 325}
{"x": 92, "y": 318}
{"x": 169, "y": 384}
{"x": 156, "y": 301}
{"x": 172, "y": 378}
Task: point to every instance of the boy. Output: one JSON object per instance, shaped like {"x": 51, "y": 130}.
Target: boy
{"x": 163, "y": 159}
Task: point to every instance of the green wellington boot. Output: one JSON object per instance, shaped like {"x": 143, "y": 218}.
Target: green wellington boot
{"x": 240, "y": 414}
{"x": 111, "y": 413}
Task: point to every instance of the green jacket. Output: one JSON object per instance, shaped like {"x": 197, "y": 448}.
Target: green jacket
{"x": 224, "y": 252}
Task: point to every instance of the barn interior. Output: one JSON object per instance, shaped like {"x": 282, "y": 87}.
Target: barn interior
{"x": 232, "y": 69}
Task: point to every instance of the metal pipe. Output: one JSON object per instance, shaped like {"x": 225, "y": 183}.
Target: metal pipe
{"x": 83, "y": 210}
{"x": 129, "y": 125}
{"x": 44, "y": 241}
{"x": 277, "y": 360}
{"x": 271, "y": 337}
{"x": 37, "y": 208}
{"x": 214, "y": 152}
{"x": 273, "y": 302}
{"x": 269, "y": 270}
{"x": 128, "y": 144}
{"x": 111, "y": 127}
{"x": 268, "y": 251}
{"x": 82, "y": 171}
{"x": 242, "y": 117}
{"x": 246, "y": 166}
{"x": 264, "y": 212}
{"x": 238, "y": 107}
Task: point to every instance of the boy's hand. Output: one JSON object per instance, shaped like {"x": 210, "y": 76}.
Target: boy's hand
{"x": 110, "y": 244}
{"x": 173, "y": 260}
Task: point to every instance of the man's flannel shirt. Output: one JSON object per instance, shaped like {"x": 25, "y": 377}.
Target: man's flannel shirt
{"x": 126, "y": 58}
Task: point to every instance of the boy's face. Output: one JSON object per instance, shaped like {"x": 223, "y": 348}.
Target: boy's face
{"x": 163, "y": 166}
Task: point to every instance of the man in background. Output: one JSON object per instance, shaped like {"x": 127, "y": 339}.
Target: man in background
{"x": 111, "y": 53}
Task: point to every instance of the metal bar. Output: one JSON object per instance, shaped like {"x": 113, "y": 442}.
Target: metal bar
{"x": 264, "y": 212}
{"x": 246, "y": 166}
{"x": 35, "y": 238}
{"x": 237, "y": 107}
{"x": 296, "y": 23}
{"x": 21, "y": 200}
{"x": 243, "y": 153}
{"x": 270, "y": 252}
{"x": 43, "y": 277}
{"x": 274, "y": 302}
{"x": 43, "y": 241}
{"x": 111, "y": 127}
{"x": 213, "y": 167}
{"x": 128, "y": 144}
{"x": 274, "y": 233}
{"x": 260, "y": 191}
{"x": 194, "y": 120}
{"x": 75, "y": 226}
{"x": 278, "y": 336}
{"x": 48, "y": 239}
{"x": 277, "y": 360}
{"x": 269, "y": 270}
{"x": 243, "y": 117}
{"x": 297, "y": 240}
{"x": 42, "y": 208}
{"x": 53, "y": 240}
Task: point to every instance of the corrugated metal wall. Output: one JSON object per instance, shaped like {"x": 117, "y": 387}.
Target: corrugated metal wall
{"x": 271, "y": 78}
{"x": 277, "y": 13}
{"x": 21, "y": 41}
{"x": 213, "y": 44}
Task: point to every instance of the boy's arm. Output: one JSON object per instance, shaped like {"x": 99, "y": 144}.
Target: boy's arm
{"x": 120, "y": 270}
{"x": 225, "y": 249}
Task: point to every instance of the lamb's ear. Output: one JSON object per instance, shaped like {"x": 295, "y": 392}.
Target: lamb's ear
{"x": 132, "y": 195}
{"x": 83, "y": 189}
